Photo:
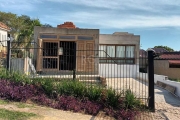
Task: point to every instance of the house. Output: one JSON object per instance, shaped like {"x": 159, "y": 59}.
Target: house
{"x": 66, "y": 48}
{"x": 159, "y": 50}
{"x": 3, "y": 37}
{"x": 143, "y": 61}
{"x": 168, "y": 63}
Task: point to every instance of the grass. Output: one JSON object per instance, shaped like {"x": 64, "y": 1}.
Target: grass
{"x": 3, "y": 102}
{"x": 18, "y": 104}
{"x": 15, "y": 115}
{"x": 23, "y": 105}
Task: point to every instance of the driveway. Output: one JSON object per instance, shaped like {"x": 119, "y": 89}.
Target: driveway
{"x": 167, "y": 106}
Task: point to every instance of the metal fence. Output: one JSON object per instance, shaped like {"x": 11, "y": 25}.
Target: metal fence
{"x": 92, "y": 67}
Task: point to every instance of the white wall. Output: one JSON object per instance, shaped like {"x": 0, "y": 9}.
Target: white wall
{"x": 118, "y": 71}
{"x": 3, "y": 36}
{"x": 161, "y": 78}
{"x": 144, "y": 76}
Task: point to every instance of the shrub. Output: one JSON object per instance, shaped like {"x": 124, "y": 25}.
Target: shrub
{"x": 94, "y": 93}
{"x": 18, "y": 91}
{"x": 71, "y": 88}
{"x": 113, "y": 98}
{"x": 130, "y": 100}
{"x": 48, "y": 86}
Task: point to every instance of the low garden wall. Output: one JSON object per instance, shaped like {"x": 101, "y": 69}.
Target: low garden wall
{"x": 161, "y": 78}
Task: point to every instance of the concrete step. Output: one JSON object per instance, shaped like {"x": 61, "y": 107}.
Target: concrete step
{"x": 93, "y": 77}
{"x": 90, "y": 81}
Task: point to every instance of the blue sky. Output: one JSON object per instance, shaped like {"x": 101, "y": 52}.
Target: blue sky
{"x": 157, "y": 22}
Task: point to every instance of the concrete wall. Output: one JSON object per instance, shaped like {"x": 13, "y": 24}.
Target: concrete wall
{"x": 161, "y": 78}
{"x": 17, "y": 64}
{"x": 144, "y": 77}
{"x": 64, "y": 31}
{"x": 121, "y": 38}
{"x": 21, "y": 65}
{"x": 162, "y": 67}
{"x": 118, "y": 71}
{"x": 3, "y": 36}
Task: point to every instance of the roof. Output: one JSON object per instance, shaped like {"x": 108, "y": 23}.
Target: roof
{"x": 174, "y": 62}
{"x": 4, "y": 26}
{"x": 160, "y": 50}
{"x": 142, "y": 53}
{"x": 169, "y": 56}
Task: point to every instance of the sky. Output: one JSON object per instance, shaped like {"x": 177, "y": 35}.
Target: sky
{"x": 156, "y": 21}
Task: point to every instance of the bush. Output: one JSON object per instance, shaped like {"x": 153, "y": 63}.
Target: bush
{"x": 113, "y": 98}
{"x": 48, "y": 86}
{"x": 130, "y": 100}
{"x": 18, "y": 91}
{"x": 94, "y": 93}
{"x": 71, "y": 88}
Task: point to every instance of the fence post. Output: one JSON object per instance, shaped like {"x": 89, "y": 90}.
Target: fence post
{"x": 151, "y": 102}
{"x": 8, "y": 54}
{"x": 74, "y": 63}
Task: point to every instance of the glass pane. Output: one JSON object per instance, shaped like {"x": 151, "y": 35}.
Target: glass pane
{"x": 48, "y": 36}
{"x": 50, "y": 63}
{"x": 50, "y": 49}
{"x": 66, "y": 37}
{"x": 102, "y": 51}
{"x": 120, "y": 51}
{"x": 102, "y": 61}
{"x": 111, "y": 61}
{"x": 110, "y": 51}
{"x": 130, "y": 51}
{"x": 121, "y": 61}
{"x": 129, "y": 61}
{"x": 85, "y": 38}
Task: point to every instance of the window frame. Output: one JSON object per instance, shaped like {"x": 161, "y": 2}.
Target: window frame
{"x": 115, "y": 59}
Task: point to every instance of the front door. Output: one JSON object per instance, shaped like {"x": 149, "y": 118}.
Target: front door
{"x": 85, "y": 56}
{"x": 67, "y": 58}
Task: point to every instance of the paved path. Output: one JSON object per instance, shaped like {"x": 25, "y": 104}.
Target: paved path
{"x": 166, "y": 104}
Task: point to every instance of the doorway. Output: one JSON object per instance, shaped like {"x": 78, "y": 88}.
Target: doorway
{"x": 67, "y": 59}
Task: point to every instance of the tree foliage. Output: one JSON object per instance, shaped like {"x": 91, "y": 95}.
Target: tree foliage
{"x": 165, "y": 47}
{"x": 21, "y": 27}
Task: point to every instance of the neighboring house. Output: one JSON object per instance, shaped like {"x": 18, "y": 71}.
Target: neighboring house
{"x": 143, "y": 61}
{"x": 85, "y": 50}
{"x": 168, "y": 63}
{"x": 3, "y": 37}
{"x": 159, "y": 50}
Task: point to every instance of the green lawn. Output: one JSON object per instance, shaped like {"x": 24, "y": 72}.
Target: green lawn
{"x": 14, "y": 115}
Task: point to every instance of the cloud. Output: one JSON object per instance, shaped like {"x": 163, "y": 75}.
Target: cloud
{"x": 101, "y": 13}
{"x": 121, "y": 21}
{"x": 18, "y": 5}
{"x": 146, "y": 5}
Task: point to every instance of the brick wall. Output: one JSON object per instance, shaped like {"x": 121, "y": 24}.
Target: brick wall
{"x": 67, "y": 25}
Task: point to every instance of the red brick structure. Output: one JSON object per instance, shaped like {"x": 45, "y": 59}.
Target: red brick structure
{"x": 67, "y": 25}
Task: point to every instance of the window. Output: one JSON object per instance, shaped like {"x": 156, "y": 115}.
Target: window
{"x": 85, "y": 38}
{"x": 174, "y": 66}
{"x": 48, "y": 36}
{"x": 50, "y": 63}
{"x": 50, "y": 49}
{"x": 66, "y": 37}
{"x": 117, "y": 54}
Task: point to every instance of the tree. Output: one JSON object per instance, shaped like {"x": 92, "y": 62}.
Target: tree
{"x": 165, "y": 47}
{"x": 47, "y": 25}
{"x": 21, "y": 27}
